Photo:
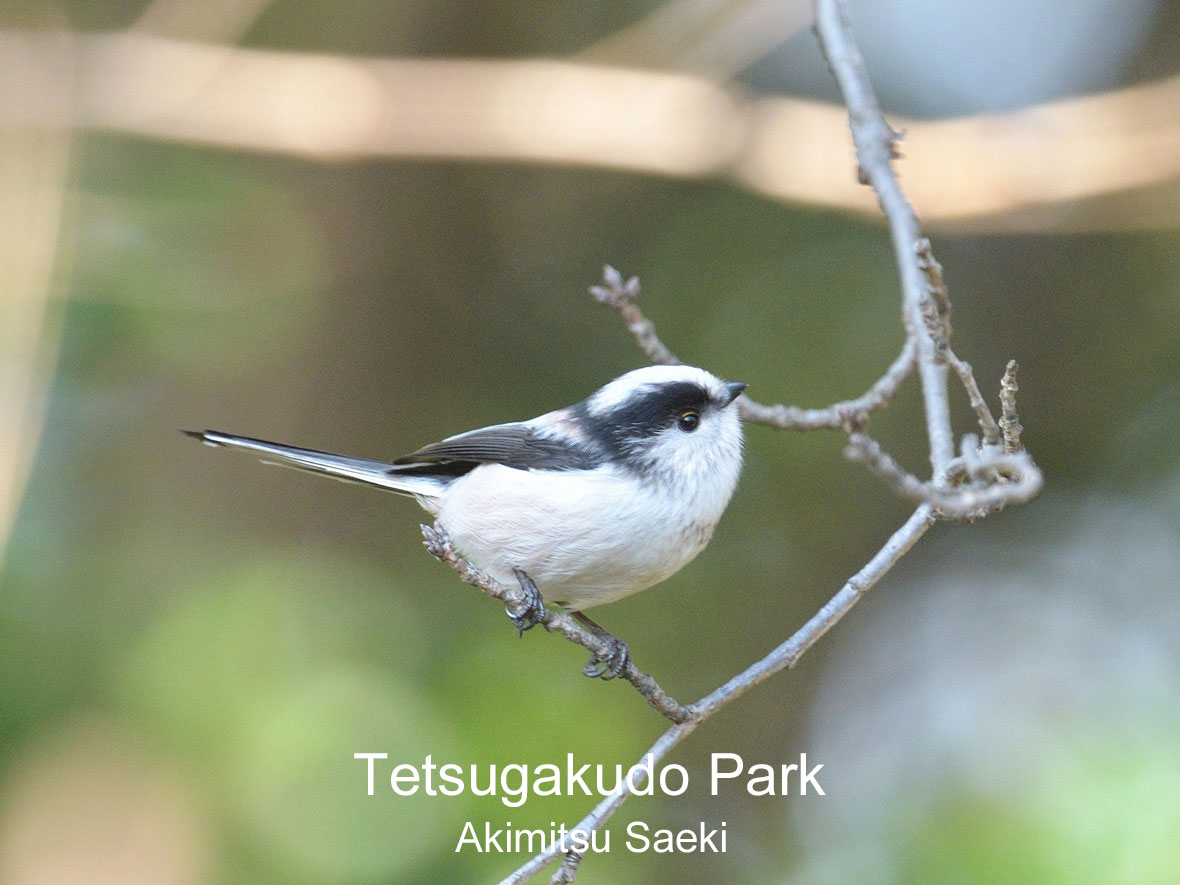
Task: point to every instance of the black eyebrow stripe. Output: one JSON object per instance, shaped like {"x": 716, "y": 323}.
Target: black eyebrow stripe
{"x": 640, "y": 416}
{"x": 654, "y": 408}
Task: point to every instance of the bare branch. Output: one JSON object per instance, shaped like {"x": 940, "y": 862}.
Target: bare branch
{"x": 622, "y": 296}
{"x": 875, "y": 152}
{"x": 438, "y": 543}
{"x": 993, "y": 478}
{"x": 936, "y": 310}
{"x": 989, "y": 479}
{"x": 868, "y": 451}
{"x": 984, "y": 479}
{"x": 966, "y": 375}
{"x": 783, "y": 657}
{"x": 935, "y": 300}
{"x": 847, "y": 415}
{"x": 786, "y": 654}
{"x": 936, "y": 284}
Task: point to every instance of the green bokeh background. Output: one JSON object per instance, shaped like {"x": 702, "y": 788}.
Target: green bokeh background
{"x": 192, "y": 646}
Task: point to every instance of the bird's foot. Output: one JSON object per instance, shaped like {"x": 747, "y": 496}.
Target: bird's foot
{"x": 613, "y": 660}
{"x": 531, "y": 611}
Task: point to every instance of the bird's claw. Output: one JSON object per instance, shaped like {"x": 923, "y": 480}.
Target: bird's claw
{"x": 531, "y": 611}
{"x": 609, "y": 663}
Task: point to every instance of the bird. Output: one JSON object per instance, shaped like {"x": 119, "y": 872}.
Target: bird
{"x": 581, "y": 506}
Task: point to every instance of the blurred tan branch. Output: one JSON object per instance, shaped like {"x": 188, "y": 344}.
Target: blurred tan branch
{"x": 1014, "y": 170}
{"x": 33, "y": 169}
{"x": 224, "y": 21}
{"x": 716, "y": 38}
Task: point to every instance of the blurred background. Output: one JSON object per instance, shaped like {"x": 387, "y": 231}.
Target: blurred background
{"x": 361, "y": 226}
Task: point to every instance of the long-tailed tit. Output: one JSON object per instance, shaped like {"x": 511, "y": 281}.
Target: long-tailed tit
{"x": 592, "y": 502}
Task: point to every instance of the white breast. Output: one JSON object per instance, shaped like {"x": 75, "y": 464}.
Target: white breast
{"x": 585, "y": 537}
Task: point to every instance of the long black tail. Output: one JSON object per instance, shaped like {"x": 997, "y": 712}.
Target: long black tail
{"x": 342, "y": 467}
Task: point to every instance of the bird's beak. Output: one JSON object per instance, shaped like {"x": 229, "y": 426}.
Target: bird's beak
{"x": 734, "y": 389}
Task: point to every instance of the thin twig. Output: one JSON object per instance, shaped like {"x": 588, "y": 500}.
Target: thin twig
{"x": 985, "y": 479}
{"x": 438, "y": 543}
{"x": 966, "y": 375}
{"x": 868, "y": 451}
{"x": 1009, "y": 420}
{"x": 622, "y": 296}
{"x": 788, "y": 653}
{"x": 848, "y": 415}
{"x": 936, "y": 310}
{"x": 936, "y": 285}
{"x": 936, "y": 300}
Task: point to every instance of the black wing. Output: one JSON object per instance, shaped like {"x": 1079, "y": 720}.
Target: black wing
{"x": 514, "y": 445}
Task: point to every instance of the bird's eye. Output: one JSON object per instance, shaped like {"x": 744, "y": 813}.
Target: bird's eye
{"x": 689, "y": 421}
